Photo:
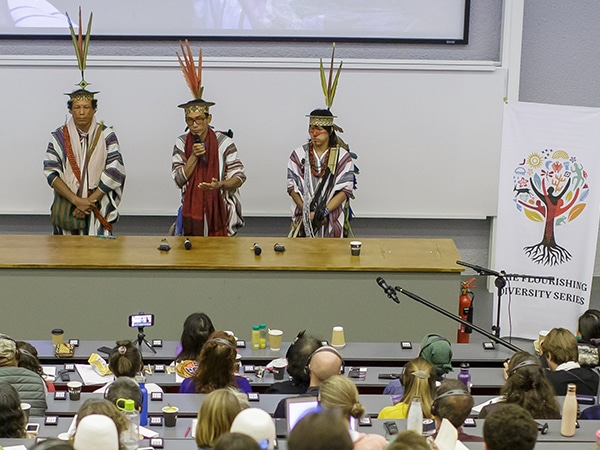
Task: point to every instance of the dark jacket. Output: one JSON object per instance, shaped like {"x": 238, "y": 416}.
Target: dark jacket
{"x": 584, "y": 378}
{"x": 29, "y": 385}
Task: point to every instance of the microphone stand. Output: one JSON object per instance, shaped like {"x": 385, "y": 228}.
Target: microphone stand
{"x": 500, "y": 284}
{"x": 458, "y": 319}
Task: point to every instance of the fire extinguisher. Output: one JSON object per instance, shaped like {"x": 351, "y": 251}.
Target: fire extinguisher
{"x": 465, "y": 311}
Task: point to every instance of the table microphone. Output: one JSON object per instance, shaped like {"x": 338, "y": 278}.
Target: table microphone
{"x": 187, "y": 244}
{"x": 257, "y": 249}
{"x": 390, "y": 291}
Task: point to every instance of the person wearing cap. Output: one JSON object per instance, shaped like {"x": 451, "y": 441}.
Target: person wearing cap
{"x": 96, "y": 431}
{"x": 206, "y": 167}
{"x": 28, "y": 384}
{"x": 83, "y": 163}
{"x": 321, "y": 175}
{"x": 256, "y": 423}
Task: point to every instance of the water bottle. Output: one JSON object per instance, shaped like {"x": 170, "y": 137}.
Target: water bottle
{"x": 131, "y": 435}
{"x": 255, "y": 338}
{"x": 568, "y": 421}
{"x": 144, "y": 414}
{"x": 464, "y": 376}
{"x": 414, "y": 420}
{"x": 262, "y": 340}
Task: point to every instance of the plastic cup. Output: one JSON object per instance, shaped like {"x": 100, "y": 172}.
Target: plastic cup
{"x": 74, "y": 388}
{"x": 26, "y": 408}
{"x": 355, "y": 247}
{"x": 275, "y": 337}
{"x": 57, "y": 336}
{"x": 279, "y": 369}
{"x": 337, "y": 337}
{"x": 170, "y": 415}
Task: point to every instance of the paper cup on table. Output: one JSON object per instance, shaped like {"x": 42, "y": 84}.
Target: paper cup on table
{"x": 279, "y": 366}
{"x": 26, "y": 408}
{"x": 275, "y": 337}
{"x": 57, "y": 336}
{"x": 74, "y": 388}
{"x": 355, "y": 247}
{"x": 170, "y": 415}
{"x": 337, "y": 337}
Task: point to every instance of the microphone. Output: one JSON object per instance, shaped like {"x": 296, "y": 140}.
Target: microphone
{"x": 480, "y": 270}
{"x": 390, "y": 291}
{"x": 197, "y": 140}
{"x": 257, "y": 249}
{"x": 187, "y": 244}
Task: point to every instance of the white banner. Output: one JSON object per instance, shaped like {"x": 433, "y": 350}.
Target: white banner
{"x": 548, "y": 211}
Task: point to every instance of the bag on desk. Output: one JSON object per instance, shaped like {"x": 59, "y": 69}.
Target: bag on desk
{"x": 99, "y": 364}
{"x": 64, "y": 350}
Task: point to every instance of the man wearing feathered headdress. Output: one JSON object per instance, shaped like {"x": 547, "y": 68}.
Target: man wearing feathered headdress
{"x": 83, "y": 163}
{"x": 205, "y": 166}
{"x": 321, "y": 174}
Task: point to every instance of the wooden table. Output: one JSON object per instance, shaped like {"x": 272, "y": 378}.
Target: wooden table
{"x": 89, "y": 286}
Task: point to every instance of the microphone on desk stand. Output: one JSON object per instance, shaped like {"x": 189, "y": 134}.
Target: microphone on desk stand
{"x": 390, "y": 291}
{"x": 187, "y": 244}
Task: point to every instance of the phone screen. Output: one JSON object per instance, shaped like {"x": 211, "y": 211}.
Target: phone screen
{"x": 141, "y": 320}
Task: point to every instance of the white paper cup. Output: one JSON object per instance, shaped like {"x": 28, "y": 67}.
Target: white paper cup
{"x": 275, "y": 337}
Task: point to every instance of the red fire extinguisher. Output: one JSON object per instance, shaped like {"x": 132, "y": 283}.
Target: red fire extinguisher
{"x": 465, "y": 311}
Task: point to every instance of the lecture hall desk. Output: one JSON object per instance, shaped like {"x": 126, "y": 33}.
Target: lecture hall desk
{"x": 89, "y": 286}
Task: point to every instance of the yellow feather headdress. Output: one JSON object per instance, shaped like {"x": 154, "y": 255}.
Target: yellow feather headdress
{"x": 329, "y": 86}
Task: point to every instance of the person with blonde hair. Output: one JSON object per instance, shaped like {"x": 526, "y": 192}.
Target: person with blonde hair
{"x": 418, "y": 380}
{"x": 339, "y": 394}
{"x": 560, "y": 349}
{"x": 216, "y": 415}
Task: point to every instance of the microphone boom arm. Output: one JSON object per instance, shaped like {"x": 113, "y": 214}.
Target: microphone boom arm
{"x": 456, "y": 318}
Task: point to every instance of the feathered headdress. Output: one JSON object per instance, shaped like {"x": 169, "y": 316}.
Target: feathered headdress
{"x": 81, "y": 44}
{"x": 193, "y": 78}
{"x": 329, "y": 86}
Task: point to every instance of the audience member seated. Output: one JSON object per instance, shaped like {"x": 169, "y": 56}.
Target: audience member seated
{"x": 95, "y": 432}
{"x": 100, "y": 406}
{"x": 235, "y": 441}
{"x": 409, "y": 440}
{"x": 338, "y": 394}
{"x": 196, "y": 330}
{"x": 216, "y": 367}
{"x": 125, "y": 360}
{"x": 124, "y": 387}
{"x": 320, "y": 431}
{"x": 216, "y": 415}
{"x": 418, "y": 380}
{"x": 297, "y": 355}
{"x": 12, "y": 420}
{"x": 527, "y": 386}
{"x": 323, "y": 363}
{"x": 257, "y": 424}
{"x": 28, "y": 358}
{"x": 510, "y": 428}
{"x": 52, "y": 444}
{"x": 454, "y": 403}
{"x": 438, "y": 351}
{"x": 560, "y": 349}
{"x": 588, "y": 335}
{"x": 28, "y": 384}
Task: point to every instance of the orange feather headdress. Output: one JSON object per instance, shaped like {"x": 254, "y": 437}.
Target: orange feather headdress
{"x": 193, "y": 78}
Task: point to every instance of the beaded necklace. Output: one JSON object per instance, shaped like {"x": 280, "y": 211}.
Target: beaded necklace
{"x": 313, "y": 163}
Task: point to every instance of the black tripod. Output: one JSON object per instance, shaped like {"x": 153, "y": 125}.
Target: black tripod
{"x": 141, "y": 339}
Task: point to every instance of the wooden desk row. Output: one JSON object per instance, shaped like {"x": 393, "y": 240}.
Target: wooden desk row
{"x": 354, "y": 353}
{"x": 486, "y": 380}
{"x": 179, "y": 437}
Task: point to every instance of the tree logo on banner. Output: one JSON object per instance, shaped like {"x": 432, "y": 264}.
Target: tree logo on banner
{"x": 550, "y": 187}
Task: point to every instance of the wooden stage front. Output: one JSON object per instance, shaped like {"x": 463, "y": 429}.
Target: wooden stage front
{"x": 89, "y": 286}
